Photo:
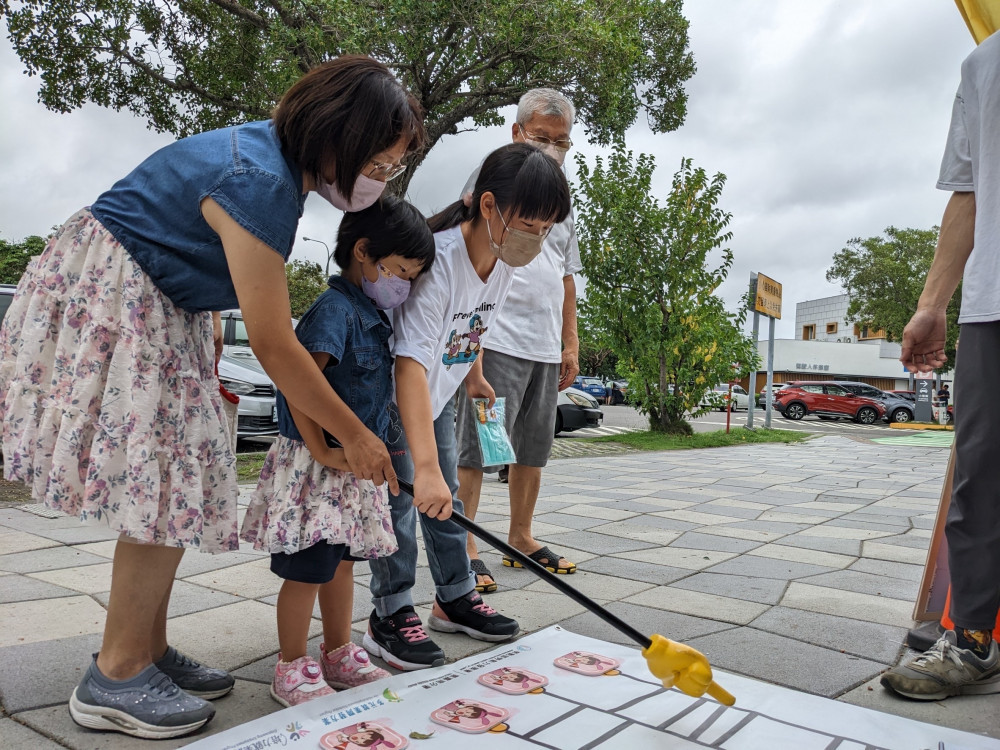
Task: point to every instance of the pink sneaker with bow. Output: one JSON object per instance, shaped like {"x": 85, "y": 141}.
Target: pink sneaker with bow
{"x": 349, "y": 666}
{"x": 298, "y": 681}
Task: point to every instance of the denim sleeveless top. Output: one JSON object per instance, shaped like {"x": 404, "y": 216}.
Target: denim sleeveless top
{"x": 345, "y": 324}
{"x": 155, "y": 212}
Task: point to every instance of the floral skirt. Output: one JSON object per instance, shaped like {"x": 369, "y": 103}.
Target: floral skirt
{"x": 300, "y": 502}
{"x": 108, "y": 397}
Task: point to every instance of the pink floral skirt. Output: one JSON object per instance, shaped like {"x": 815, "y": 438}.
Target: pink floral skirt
{"x": 108, "y": 397}
{"x": 300, "y": 502}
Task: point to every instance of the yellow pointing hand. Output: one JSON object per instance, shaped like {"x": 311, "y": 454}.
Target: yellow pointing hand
{"x": 684, "y": 667}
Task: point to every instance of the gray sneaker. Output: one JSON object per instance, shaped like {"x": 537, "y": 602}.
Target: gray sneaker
{"x": 944, "y": 670}
{"x": 149, "y": 705}
{"x": 194, "y": 678}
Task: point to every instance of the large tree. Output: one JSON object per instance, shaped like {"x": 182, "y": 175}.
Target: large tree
{"x": 884, "y": 276}
{"x": 652, "y": 268}
{"x": 306, "y": 281}
{"x": 192, "y": 65}
{"x": 15, "y": 256}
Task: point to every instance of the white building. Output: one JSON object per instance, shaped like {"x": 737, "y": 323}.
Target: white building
{"x": 827, "y": 347}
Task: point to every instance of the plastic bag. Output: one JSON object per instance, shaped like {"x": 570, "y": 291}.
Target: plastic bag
{"x": 492, "y": 430}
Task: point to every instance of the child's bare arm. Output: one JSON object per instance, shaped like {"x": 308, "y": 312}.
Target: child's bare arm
{"x": 431, "y": 494}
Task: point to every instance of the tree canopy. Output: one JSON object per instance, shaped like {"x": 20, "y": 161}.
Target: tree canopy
{"x": 193, "y": 65}
{"x": 306, "y": 281}
{"x": 652, "y": 269}
{"x": 884, "y": 277}
{"x": 14, "y": 257}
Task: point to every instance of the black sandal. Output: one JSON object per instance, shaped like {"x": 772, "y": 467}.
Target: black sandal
{"x": 551, "y": 561}
{"x": 480, "y": 569}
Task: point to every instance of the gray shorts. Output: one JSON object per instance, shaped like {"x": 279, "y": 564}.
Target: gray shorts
{"x": 531, "y": 390}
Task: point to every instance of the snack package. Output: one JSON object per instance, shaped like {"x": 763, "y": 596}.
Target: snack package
{"x": 492, "y": 430}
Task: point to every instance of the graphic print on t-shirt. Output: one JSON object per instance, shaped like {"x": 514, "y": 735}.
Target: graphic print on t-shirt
{"x": 464, "y": 348}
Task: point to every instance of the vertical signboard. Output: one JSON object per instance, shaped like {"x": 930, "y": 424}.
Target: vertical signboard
{"x": 924, "y": 386}
{"x": 766, "y": 295}
{"x": 767, "y": 299}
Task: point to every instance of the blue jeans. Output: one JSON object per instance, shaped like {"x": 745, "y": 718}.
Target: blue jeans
{"x": 393, "y": 576}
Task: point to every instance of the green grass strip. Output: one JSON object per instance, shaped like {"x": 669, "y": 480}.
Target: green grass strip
{"x": 248, "y": 466}
{"x": 658, "y": 441}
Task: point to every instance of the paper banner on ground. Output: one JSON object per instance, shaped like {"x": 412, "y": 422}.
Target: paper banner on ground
{"x": 517, "y": 698}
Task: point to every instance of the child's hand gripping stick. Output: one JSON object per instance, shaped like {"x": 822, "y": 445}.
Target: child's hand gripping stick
{"x": 684, "y": 667}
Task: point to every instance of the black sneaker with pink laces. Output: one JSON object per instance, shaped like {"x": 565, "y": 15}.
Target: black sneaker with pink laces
{"x": 469, "y": 614}
{"x": 400, "y": 639}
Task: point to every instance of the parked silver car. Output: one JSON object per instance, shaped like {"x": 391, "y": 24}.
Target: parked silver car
{"x": 241, "y": 373}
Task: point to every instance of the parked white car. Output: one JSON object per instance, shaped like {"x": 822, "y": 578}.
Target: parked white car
{"x": 716, "y": 398}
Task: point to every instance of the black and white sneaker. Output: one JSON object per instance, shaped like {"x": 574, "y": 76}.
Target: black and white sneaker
{"x": 400, "y": 639}
{"x": 469, "y": 614}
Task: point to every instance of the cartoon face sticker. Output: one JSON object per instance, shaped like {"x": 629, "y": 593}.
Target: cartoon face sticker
{"x": 362, "y": 736}
{"x": 514, "y": 681}
{"x": 586, "y": 663}
{"x": 471, "y": 716}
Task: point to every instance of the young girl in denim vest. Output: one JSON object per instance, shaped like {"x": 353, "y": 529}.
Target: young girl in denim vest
{"x": 314, "y": 518}
{"x": 109, "y": 402}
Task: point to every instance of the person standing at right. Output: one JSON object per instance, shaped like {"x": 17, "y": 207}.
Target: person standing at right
{"x": 532, "y": 353}
{"x": 965, "y": 661}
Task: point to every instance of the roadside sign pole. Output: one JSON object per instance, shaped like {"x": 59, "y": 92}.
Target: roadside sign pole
{"x": 753, "y": 375}
{"x": 752, "y": 382}
{"x": 770, "y": 372}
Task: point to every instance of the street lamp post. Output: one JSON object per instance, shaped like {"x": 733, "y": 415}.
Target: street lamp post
{"x": 326, "y": 247}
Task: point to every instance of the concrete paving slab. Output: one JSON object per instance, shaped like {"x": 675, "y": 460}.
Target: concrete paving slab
{"x": 230, "y": 636}
{"x": 760, "y": 590}
{"x": 602, "y": 588}
{"x": 904, "y": 571}
{"x": 49, "y": 619}
{"x": 781, "y": 551}
{"x": 775, "y": 529}
{"x": 768, "y": 567}
{"x": 82, "y": 533}
{"x": 88, "y": 579}
{"x": 252, "y": 580}
{"x": 12, "y": 540}
{"x": 48, "y": 559}
{"x": 894, "y": 553}
{"x": 847, "y": 547}
{"x": 195, "y": 563}
{"x": 659, "y": 575}
{"x": 785, "y": 661}
{"x": 735, "y": 532}
{"x": 697, "y": 517}
{"x": 18, "y": 588}
{"x": 597, "y": 511}
{"x": 677, "y": 557}
{"x": 603, "y": 544}
{"x": 569, "y": 520}
{"x": 62, "y": 661}
{"x": 848, "y": 604}
{"x": 699, "y": 604}
{"x": 15, "y": 735}
{"x": 648, "y": 620}
{"x": 697, "y": 540}
{"x": 631, "y": 530}
{"x": 866, "y": 583}
{"x": 104, "y": 549}
{"x": 869, "y": 640}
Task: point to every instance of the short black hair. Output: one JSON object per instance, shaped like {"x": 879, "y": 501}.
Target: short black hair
{"x": 391, "y": 226}
{"x": 343, "y": 113}
{"x": 524, "y": 181}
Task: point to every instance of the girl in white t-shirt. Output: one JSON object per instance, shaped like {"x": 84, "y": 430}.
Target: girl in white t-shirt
{"x": 519, "y": 194}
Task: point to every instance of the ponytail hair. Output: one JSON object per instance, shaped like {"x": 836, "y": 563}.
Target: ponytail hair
{"x": 523, "y": 180}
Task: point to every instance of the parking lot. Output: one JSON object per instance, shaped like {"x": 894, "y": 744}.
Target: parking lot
{"x": 622, "y": 418}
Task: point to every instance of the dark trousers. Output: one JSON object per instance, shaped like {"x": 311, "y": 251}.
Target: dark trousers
{"x": 973, "y": 527}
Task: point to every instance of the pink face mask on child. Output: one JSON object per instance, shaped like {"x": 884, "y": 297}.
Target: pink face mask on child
{"x": 387, "y": 291}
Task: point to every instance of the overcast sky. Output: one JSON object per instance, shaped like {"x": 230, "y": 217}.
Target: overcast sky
{"x": 828, "y": 118}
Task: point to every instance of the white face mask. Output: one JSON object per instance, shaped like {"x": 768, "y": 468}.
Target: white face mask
{"x": 366, "y": 191}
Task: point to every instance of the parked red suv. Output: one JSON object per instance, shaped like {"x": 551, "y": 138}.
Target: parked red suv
{"x": 826, "y": 400}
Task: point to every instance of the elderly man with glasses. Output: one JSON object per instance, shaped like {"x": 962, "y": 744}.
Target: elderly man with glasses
{"x": 532, "y": 353}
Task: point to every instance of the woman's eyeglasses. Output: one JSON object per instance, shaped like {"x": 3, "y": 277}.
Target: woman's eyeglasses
{"x": 382, "y": 171}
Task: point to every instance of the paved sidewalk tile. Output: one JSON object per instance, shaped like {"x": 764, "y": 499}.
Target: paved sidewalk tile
{"x": 49, "y": 619}
{"x": 698, "y": 604}
{"x": 833, "y": 601}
